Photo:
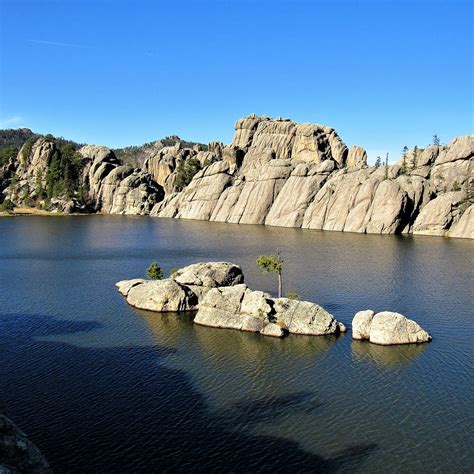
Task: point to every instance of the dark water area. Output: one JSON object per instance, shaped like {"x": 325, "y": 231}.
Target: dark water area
{"x": 102, "y": 387}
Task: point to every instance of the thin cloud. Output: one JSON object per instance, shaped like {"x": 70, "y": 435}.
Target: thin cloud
{"x": 57, "y": 43}
{"x": 14, "y": 120}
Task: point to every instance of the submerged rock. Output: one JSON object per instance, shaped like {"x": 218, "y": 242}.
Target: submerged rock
{"x": 17, "y": 453}
{"x": 387, "y": 328}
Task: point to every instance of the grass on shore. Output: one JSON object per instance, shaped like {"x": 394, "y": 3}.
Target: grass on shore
{"x": 31, "y": 211}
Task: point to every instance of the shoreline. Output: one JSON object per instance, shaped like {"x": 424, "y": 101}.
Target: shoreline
{"x": 32, "y": 211}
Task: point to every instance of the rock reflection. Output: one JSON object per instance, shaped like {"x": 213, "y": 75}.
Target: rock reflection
{"x": 173, "y": 327}
{"x": 387, "y": 356}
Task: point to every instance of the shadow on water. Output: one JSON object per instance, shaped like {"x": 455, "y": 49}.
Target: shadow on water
{"x": 386, "y": 356}
{"x": 84, "y": 408}
{"x": 270, "y": 408}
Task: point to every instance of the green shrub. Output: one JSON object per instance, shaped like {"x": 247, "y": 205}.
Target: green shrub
{"x": 174, "y": 272}
{"x": 7, "y": 154}
{"x": 7, "y": 206}
{"x": 186, "y": 171}
{"x": 292, "y": 295}
{"x": 456, "y": 186}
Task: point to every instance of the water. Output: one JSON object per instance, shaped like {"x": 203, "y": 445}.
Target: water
{"x": 101, "y": 387}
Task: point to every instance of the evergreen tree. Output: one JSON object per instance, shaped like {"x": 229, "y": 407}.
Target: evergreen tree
{"x": 404, "y": 160}
{"x": 154, "y": 272}
{"x": 436, "y": 140}
{"x": 378, "y": 162}
{"x": 415, "y": 157}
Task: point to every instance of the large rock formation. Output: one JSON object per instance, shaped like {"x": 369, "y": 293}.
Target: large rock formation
{"x": 387, "y": 328}
{"x": 302, "y": 175}
{"x": 114, "y": 188}
{"x": 17, "y": 453}
{"x": 183, "y": 290}
{"x": 275, "y": 172}
{"x": 217, "y": 291}
{"x": 98, "y": 183}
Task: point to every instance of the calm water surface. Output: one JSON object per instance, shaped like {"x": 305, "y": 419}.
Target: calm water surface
{"x": 101, "y": 387}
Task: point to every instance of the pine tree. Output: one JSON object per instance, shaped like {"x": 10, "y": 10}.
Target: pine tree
{"x": 154, "y": 272}
{"x": 404, "y": 160}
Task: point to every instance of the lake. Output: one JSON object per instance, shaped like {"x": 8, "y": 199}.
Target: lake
{"x": 102, "y": 387}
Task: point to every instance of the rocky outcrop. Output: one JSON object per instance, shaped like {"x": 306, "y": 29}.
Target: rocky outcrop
{"x": 117, "y": 189}
{"x": 302, "y": 175}
{"x": 357, "y": 157}
{"x": 387, "y": 328}
{"x": 239, "y": 307}
{"x": 275, "y": 172}
{"x": 17, "y": 453}
{"x": 439, "y": 214}
{"x": 183, "y": 290}
{"x": 96, "y": 181}
{"x": 464, "y": 228}
{"x": 216, "y": 290}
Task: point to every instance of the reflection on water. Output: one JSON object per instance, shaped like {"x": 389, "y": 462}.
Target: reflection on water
{"x": 142, "y": 389}
{"x": 386, "y": 356}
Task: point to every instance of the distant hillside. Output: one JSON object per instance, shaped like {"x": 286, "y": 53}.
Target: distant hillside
{"x": 11, "y": 140}
{"x": 136, "y": 155}
{"x": 16, "y": 137}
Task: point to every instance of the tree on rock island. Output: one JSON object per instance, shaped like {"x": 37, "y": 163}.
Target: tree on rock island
{"x": 272, "y": 263}
{"x": 154, "y": 272}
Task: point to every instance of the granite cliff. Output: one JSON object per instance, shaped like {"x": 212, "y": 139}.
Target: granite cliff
{"x": 275, "y": 172}
{"x": 280, "y": 173}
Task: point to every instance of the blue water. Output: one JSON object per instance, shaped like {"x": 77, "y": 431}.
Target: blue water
{"x": 101, "y": 387}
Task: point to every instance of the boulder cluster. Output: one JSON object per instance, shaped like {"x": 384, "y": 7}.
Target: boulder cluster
{"x": 217, "y": 292}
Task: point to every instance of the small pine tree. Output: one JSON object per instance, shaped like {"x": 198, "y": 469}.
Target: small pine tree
{"x": 386, "y": 167}
{"x": 272, "y": 263}
{"x": 154, "y": 272}
{"x": 436, "y": 140}
{"x": 404, "y": 160}
{"x": 378, "y": 162}
{"x": 415, "y": 156}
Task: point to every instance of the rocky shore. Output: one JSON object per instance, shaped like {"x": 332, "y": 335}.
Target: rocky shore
{"x": 275, "y": 172}
{"x": 217, "y": 293}
{"x": 17, "y": 453}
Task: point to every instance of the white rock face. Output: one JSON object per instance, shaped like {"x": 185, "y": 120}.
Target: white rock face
{"x": 125, "y": 286}
{"x": 361, "y": 324}
{"x": 464, "y": 228}
{"x": 357, "y": 157}
{"x": 387, "y": 328}
{"x": 117, "y": 189}
{"x": 162, "y": 296}
{"x": 240, "y": 308}
{"x": 303, "y": 175}
{"x": 303, "y": 317}
{"x": 438, "y": 215}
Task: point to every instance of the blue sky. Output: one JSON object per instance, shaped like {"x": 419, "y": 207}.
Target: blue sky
{"x": 384, "y": 74}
